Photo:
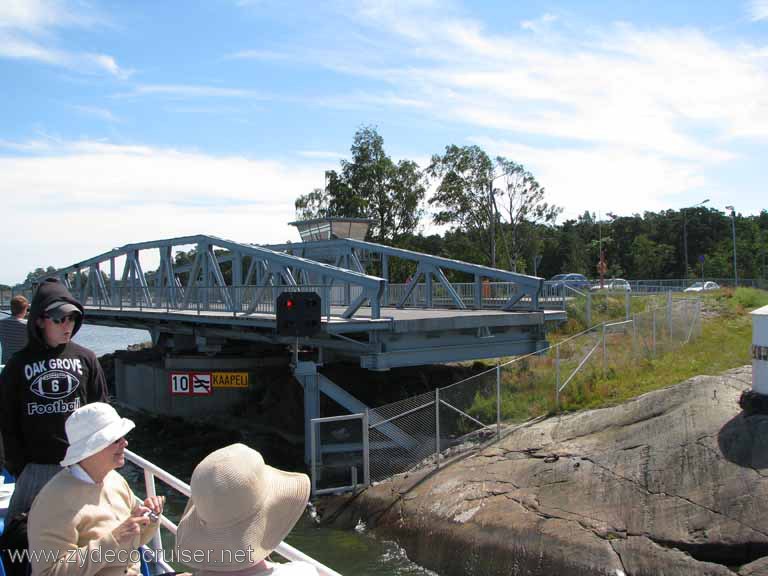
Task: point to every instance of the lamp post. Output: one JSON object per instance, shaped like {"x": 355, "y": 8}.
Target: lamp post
{"x": 685, "y": 235}
{"x": 733, "y": 230}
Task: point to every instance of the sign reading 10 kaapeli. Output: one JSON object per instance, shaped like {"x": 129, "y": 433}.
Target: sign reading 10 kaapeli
{"x": 203, "y": 383}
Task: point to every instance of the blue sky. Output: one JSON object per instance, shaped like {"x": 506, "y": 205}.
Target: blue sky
{"x": 131, "y": 121}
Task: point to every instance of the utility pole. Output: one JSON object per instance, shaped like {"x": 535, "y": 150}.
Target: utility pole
{"x": 733, "y": 229}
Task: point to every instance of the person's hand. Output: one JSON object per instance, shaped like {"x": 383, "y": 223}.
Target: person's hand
{"x": 131, "y": 527}
{"x": 155, "y": 504}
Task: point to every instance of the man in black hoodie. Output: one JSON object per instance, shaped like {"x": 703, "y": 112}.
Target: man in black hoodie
{"x": 40, "y": 387}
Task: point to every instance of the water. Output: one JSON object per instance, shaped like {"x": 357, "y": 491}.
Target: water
{"x": 350, "y": 552}
{"x": 105, "y": 339}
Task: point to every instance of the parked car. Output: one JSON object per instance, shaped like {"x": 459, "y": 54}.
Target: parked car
{"x": 578, "y": 281}
{"x": 703, "y": 286}
{"x": 614, "y": 285}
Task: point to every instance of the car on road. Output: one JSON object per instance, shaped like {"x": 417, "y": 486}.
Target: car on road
{"x": 702, "y": 286}
{"x": 614, "y": 285}
{"x": 577, "y": 281}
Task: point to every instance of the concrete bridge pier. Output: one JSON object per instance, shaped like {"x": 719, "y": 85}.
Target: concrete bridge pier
{"x": 306, "y": 374}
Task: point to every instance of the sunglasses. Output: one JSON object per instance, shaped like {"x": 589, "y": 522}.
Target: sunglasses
{"x": 62, "y": 319}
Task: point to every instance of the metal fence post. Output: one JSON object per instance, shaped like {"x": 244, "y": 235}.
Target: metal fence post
{"x": 634, "y": 335}
{"x": 437, "y": 427}
{"x": 653, "y": 334}
{"x": 557, "y": 377}
{"x": 498, "y": 401}
{"x": 628, "y": 304}
{"x": 313, "y": 460}
{"x": 669, "y": 314}
{"x": 698, "y": 318}
{"x": 588, "y": 310}
{"x": 366, "y": 451}
{"x": 605, "y": 356}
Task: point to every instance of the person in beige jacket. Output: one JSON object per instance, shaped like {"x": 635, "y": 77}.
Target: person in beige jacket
{"x": 86, "y": 520}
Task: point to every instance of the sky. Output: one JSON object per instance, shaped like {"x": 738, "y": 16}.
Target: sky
{"x": 126, "y": 122}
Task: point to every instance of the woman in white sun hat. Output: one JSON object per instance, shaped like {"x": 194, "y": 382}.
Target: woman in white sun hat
{"x": 239, "y": 511}
{"x": 86, "y": 521}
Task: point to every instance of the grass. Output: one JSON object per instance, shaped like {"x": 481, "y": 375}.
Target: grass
{"x": 528, "y": 385}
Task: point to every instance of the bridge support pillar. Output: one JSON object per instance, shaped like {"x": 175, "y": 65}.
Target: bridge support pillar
{"x": 306, "y": 374}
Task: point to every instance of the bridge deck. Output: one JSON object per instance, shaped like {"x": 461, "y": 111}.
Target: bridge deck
{"x": 401, "y": 337}
{"x": 392, "y": 319}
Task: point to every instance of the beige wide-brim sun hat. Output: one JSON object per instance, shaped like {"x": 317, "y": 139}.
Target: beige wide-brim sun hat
{"x": 238, "y": 502}
{"x": 92, "y": 428}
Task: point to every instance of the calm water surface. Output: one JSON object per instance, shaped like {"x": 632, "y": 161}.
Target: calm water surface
{"x": 350, "y": 552}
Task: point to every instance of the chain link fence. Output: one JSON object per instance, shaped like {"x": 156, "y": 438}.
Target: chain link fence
{"x": 423, "y": 430}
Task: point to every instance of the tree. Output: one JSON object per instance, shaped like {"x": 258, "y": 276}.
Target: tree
{"x": 371, "y": 186}
{"x": 465, "y": 197}
{"x": 39, "y": 273}
{"x": 651, "y": 259}
{"x": 462, "y": 195}
{"x": 522, "y": 202}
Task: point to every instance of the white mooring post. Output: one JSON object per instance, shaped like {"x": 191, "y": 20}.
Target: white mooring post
{"x": 760, "y": 350}
{"x": 755, "y": 401}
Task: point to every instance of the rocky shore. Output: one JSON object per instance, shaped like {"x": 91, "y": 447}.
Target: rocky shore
{"x": 674, "y": 482}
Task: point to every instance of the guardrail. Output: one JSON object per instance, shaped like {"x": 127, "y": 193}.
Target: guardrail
{"x": 152, "y": 471}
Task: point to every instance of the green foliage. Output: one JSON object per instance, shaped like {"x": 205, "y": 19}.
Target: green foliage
{"x": 467, "y": 199}
{"x": 739, "y": 301}
{"x": 370, "y": 185}
{"x": 472, "y": 191}
{"x": 528, "y": 385}
{"x": 38, "y": 274}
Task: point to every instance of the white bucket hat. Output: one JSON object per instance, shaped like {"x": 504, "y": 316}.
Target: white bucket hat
{"x": 237, "y": 503}
{"x": 92, "y": 428}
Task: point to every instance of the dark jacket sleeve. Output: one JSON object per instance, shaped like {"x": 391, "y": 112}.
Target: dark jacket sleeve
{"x": 9, "y": 421}
{"x": 97, "y": 385}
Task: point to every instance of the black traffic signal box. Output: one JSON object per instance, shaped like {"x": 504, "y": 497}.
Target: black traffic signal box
{"x": 298, "y": 314}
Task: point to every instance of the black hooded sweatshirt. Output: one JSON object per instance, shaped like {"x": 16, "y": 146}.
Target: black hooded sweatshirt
{"x": 42, "y": 385}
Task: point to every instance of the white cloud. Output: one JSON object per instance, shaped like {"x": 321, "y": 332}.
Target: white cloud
{"x": 321, "y": 154}
{"x": 196, "y": 91}
{"x": 34, "y": 15}
{"x": 606, "y": 179}
{"x": 655, "y": 90}
{"x": 266, "y": 55}
{"x": 650, "y": 113}
{"x": 96, "y": 112}
{"x": 540, "y": 24}
{"x": 26, "y": 34}
{"x": 19, "y": 48}
{"x": 87, "y": 197}
{"x": 758, "y": 10}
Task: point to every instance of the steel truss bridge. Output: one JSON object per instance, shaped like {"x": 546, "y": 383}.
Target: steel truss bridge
{"x": 220, "y": 293}
{"x": 226, "y": 291}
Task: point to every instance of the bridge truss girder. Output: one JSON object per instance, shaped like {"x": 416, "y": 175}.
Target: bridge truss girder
{"x": 347, "y": 252}
{"x": 205, "y": 279}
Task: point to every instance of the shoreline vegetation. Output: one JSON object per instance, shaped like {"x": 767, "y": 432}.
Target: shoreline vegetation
{"x": 724, "y": 343}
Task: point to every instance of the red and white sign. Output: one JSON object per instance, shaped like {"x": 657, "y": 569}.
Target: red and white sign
{"x": 191, "y": 383}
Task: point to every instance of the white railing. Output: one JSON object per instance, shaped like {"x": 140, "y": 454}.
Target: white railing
{"x": 152, "y": 471}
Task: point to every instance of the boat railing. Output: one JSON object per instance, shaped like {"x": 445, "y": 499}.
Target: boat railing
{"x": 152, "y": 471}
